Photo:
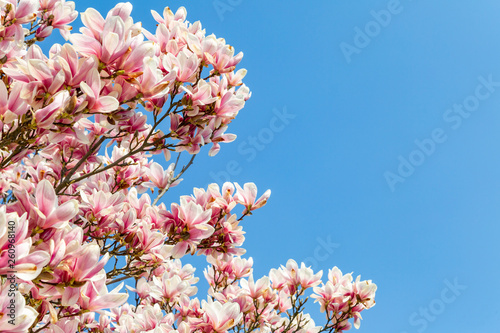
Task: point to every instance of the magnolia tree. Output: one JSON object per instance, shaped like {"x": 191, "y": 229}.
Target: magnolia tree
{"x": 76, "y": 171}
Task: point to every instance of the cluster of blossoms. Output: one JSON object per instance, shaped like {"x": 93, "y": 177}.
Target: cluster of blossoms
{"x": 74, "y": 221}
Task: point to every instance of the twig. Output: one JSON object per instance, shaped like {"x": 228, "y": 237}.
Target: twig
{"x": 171, "y": 181}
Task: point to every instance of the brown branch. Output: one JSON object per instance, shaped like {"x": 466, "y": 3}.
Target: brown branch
{"x": 66, "y": 182}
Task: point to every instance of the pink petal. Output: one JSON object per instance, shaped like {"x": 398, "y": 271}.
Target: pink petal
{"x": 39, "y": 70}
{"x": 110, "y": 44}
{"x": 179, "y": 250}
{"x": 70, "y": 296}
{"x": 107, "y": 301}
{"x": 45, "y": 197}
{"x": 27, "y": 7}
{"x": 87, "y": 90}
{"x": 91, "y": 18}
{"x": 86, "y": 45}
{"x": 135, "y": 59}
{"x": 108, "y": 104}
{"x": 63, "y": 213}
{"x": 29, "y": 267}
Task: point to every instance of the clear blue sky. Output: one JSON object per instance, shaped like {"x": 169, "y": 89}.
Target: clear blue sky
{"x": 357, "y": 107}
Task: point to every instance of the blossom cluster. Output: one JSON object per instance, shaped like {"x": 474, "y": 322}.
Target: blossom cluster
{"x": 77, "y": 168}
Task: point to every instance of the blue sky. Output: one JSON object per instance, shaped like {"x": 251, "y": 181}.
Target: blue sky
{"x": 335, "y": 113}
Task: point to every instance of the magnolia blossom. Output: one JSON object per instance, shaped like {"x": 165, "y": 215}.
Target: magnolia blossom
{"x": 95, "y": 296}
{"x": 16, "y": 317}
{"x": 16, "y": 248}
{"x": 220, "y": 317}
{"x": 342, "y": 298}
{"x": 86, "y": 131}
{"x": 247, "y": 197}
{"x": 47, "y": 208}
{"x": 92, "y": 87}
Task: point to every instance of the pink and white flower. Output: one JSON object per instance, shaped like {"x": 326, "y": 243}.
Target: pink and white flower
{"x": 220, "y": 317}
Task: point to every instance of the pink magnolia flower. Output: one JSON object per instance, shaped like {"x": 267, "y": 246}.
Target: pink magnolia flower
{"x": 148, "y": 240}
{"x": 16, "y": 316}
{"x": 116, "y": 41}
{"x": 216, "y": 136}
{"x": 23, "y": 11}
{"x": 234, "y": 79}
{"x": 46, "y": 116}
{"x": 101, "y": 203}
{"x": 77, "y": 269}
{"x": 188, "y": 308}
{"x": 61, "y": 13}
{"x": 170, "y": 289}
{"x": 199, "y": 96}
{"x": 86, "y": 264}
{"x": 247, "y": 195}
{"x": 132, "y": 63}
{"x": 229, "y": 105}
{"x": 191, "y": 143}
{"x": 224, "y": 199}
{"x": 161, "y": 178}
{"x": 144, "y": 318}
{"x": 75, "y": 68}
{"x": 227, "y": 268}
{"x": 48, "y": 209}
{"x": 220, "y": 317}
{"x": 191, "y": 220}
{"x": 122, "y": 10}
{"x": 107, "y": 44}
{"x": 18, "y": 249}
{"x": 143, "y": 289}
{"x": 303, "y": 276}
{"x": 279, "y": 279}
{"x": 344, "y": 299}
{"x": 92, "y": 87}
{"x": 11, "y": 105}
{"x": 169, "y": 17}
{"x": 204, "y": 47}
{"x": 256, "y": 288}
{"x": 243, "y": 93}
{"x": 224, "y": 60}
{"x": 64, "y": 325}
{"x": 365, "y": 291}
{"x": 153, "y": 84}
{"x": 94, "y": 296}
{"x": 184, "y": 64}
{"x": 284, "y": 301}
{"x": 38, "y": 75}
{"x": 94, "y": 22}
{"x": 62, "y": 244}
